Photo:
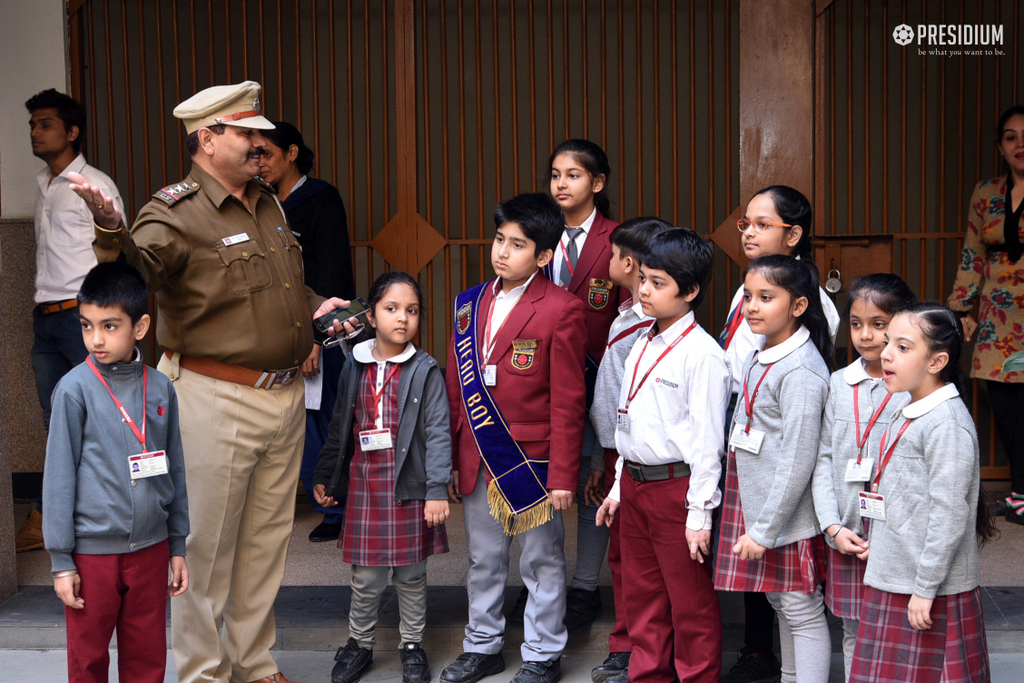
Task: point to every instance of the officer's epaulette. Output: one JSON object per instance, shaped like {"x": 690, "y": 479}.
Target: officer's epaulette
{"x": 172, "y": 193}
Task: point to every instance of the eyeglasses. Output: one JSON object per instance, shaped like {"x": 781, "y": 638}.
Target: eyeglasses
{"x": 760, "y": 224}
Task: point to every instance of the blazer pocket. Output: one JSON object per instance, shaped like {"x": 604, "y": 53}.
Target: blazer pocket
{"x": 525, "y": 358}
{"x": 247, "y": 269}
{"x": 530, "y": 431}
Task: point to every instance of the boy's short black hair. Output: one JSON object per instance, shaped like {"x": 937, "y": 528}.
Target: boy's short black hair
{"x": 69, "y": 110}
{"x": 685, "y": 256}
{"x": 633, "y": 235}
{"x": 116, "y": 285}
{"x": 538, "y": 214}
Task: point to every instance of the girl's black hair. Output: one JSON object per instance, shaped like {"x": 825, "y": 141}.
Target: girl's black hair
{"x": 794, "y": 209}
{"x": 942, "y": 331}
{"x": 888, "y": 292}
{"x": 591, "y": 157}
{"x": 800, "y": 279}
{"x": 284, "y": 135}
{"x": 1005, "y": 118}
{"x": 383, "y": 283}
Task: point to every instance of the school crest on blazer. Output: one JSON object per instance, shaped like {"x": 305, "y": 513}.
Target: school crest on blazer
{"x": 462, "y": 317}
{"x": 600, "y": 292}
{"x": 522, "y": 353}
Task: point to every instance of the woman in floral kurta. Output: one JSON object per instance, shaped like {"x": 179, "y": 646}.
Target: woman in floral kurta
{"x": 991, "y": 266}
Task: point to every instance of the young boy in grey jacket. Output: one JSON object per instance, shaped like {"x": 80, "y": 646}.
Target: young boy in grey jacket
{"x": 115, "y": 510}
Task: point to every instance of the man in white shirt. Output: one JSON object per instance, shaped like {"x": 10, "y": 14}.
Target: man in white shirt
{"x": 64, "y": 254}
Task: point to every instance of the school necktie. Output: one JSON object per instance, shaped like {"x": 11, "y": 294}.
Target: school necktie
{"x": 572, "y": 254}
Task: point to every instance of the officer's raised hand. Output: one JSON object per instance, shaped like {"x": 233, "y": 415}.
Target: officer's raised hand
{"x": 104, "y": 211}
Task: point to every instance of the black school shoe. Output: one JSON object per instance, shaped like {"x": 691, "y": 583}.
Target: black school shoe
{"x": 539, "y": 672}
{"x": 325, "y": 532}
{"x": 352, "y": 661}
{"x": 617, "y": 663}
{"x": 581, "y": 608}
{"x": 470, "y": 667}
{"x": 414, "y": 664}
{"x": 754, "y": 667}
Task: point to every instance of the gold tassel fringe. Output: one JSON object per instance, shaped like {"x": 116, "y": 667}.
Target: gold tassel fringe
{"x": 512, "y": 523}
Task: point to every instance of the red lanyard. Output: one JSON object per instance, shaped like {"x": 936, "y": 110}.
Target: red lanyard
{"x": 488, "y": 345}
{"x": 748, "y": 400}
{"x": 141, "y": 436}
{"x": 734, "y": 323}
{"x": 377, "y": 395}
{"x": 871, "y": 423}
{"x": 631, "y": 394}
{"x": 888, "y": 454}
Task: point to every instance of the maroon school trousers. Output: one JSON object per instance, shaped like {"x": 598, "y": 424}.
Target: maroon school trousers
{"x": 671, "y": 605}
{"x": 127, "y": 592}
{"x": 618, "y": 639}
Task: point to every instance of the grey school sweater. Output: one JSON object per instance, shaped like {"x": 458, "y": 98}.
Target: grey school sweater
{"x": 775, "y": 484}
{"x": 927, "y": 544}
{"x": 625, "y": 330}
{"x": 835, "y": 499}
{"x": 90, "y": 503}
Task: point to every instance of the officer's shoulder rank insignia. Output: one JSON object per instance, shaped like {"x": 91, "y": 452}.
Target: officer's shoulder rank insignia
{"x": 600, "y": 292}
{"x": 523, "y": 351}
{"x": 172, "y": 193}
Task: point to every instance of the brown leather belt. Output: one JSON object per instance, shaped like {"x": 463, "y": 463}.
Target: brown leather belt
{"x": 645, "y": 473}
{"x": 57, "y": 306}
{"x": 265, "y": 379}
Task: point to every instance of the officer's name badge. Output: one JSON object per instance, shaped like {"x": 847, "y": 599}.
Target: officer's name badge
{"x": 236, "y": 239}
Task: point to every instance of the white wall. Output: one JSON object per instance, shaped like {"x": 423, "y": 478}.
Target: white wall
{"x": 33, "y": 55}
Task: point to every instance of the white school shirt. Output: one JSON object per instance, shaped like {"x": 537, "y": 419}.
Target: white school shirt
{"x": 503, "y": 305}
{"x": 363, "y": 352}
{"x": 559, "y": 259}
{"x": 745, "y": 341}
{"x": 679, "y": 413}
{"x": 64, "y": 231}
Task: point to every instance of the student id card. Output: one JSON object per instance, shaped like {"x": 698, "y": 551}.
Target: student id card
{"x": 622, "y": 420}
{"x": 872, "y": 506}
{"x": 375, "y": 439}
{"x": 490, "y": 375}
{"x": 148, "y": 464}
{"x": 859, "y": 471}
{"x": 744, "y": 440}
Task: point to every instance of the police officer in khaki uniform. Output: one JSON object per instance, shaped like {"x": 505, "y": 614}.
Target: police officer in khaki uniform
{"x": 234, "y": 319}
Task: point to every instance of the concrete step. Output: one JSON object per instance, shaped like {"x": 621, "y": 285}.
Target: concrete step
{"x": 315, "y": 618}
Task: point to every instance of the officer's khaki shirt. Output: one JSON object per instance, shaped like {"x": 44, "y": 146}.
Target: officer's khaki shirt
{"x": 241, "y": 302}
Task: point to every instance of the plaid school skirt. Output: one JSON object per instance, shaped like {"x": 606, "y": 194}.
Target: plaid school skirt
{"x": 797, "y": 566}
{"x": 889, "y": 649}
{"x": 844, "y": 588}
{"x": 380, "y": 531}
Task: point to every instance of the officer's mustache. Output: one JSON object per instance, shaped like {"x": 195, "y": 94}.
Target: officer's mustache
{"x": 257, "y": 153}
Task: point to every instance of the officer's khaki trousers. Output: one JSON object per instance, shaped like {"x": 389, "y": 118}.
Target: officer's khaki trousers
{"x": 243, "y": 450}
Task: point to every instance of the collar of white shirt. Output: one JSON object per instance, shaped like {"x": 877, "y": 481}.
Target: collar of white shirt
{"x": 918, "y": 408}
{"x": 586, "y": 224}
{"x": 638, "y": 310}
{"x": 75, "y": 166}
{"x": 780, "y": 351}
{"x": 855, "y": 373}
{"x": 515, "y": 292}
{"x": 363, "y": 352}
{"x": 673, "y": 331}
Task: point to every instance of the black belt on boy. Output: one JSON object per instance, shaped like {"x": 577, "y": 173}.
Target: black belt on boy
{"x": 645, "y": 473}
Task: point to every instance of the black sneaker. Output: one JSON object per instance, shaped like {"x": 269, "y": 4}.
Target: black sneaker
{"x": 518, "y": 612}
{"x": 754, "y": 667}
{"x": 352, "y": 661}
{"x": 414, "y": 664}
{"x": 470, "y": 667}
{"x": 617, "y": 663}
{"x": 539, "y": 672}
{"x": 325, "y": 532}
{"x": 581, "y": 608}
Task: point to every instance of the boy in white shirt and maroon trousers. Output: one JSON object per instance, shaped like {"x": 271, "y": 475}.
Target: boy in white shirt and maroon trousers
{"x": 670, "y": 426}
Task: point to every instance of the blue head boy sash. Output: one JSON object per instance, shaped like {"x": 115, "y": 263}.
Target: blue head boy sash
{"x": 516, "y": 493}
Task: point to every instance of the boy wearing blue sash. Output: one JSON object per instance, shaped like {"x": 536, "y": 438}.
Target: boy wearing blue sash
{"x": 517, "y": 394}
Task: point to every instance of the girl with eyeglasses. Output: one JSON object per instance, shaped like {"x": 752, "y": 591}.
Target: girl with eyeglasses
{"x": 777, "y": 221}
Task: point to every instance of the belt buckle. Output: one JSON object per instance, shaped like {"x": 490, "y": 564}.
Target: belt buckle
{"x": 637, "y": 473}
{"x": 285, "y": 378}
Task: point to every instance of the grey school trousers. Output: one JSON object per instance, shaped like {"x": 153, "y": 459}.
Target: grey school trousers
{"x": 542, "y": 566}
{"x": 804, "y": 636}
{"x": 368, "y": 583}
